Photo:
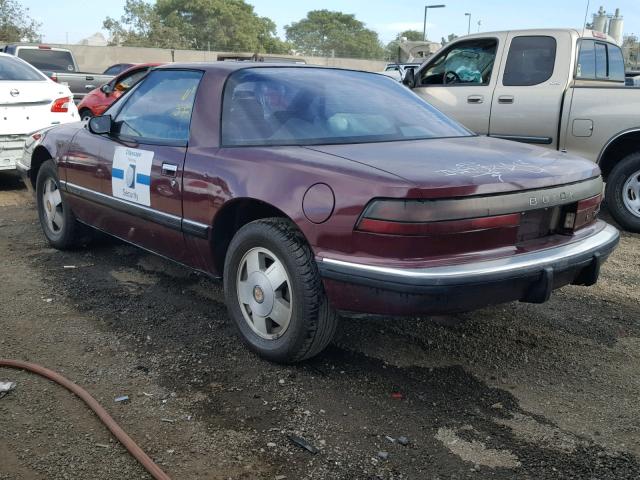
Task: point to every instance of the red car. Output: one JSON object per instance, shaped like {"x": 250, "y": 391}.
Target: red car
{"x": 99, "y": 99}
{"x": 312, "y": 191}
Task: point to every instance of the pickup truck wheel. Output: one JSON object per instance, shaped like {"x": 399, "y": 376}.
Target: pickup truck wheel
{"x": 58, "y": 222}
{"x": 86, "y": 114}
{"x": 274, "y": 293}
{"x": 623, "y": 192}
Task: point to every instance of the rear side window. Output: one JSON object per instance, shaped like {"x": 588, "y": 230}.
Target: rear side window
{"x": 45, "y": 59}
{"x": 600, "y": 61}
{"x": 159, "y": 109}
{"x": 530, "y": 61}
{"x": 12, "y": 69}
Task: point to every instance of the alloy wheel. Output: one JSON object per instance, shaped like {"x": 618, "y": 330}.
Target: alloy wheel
{"x": 631, "y": 194}
{"x": 264, "y": 293}
{"x": 52, "y": 205}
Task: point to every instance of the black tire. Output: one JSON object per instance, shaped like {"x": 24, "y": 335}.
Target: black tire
{"x": 70, "y": 233}
{"x": 615, "y": 192}
{"x": 85, "y": 113}
{"x": 313, "y": 322}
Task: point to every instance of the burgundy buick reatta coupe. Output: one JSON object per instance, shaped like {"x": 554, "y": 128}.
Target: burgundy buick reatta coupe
{"x": 312, "y": 191}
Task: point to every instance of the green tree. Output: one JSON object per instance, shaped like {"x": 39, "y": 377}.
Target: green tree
{"x": 327, "y": 33}
{"x": 450, "y": 38}
{"x": 391, "y": 50}
{"x": 200, "y": 24}
{"x": 15, "y": 23}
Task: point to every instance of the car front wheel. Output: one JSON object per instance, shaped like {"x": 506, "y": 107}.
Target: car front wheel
{"x": 58, "y": 222}
{"x": 274, "y": 293}
{"x": 623, "y": 192}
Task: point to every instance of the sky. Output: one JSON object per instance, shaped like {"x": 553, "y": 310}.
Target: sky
{"x": 74, "y": 20}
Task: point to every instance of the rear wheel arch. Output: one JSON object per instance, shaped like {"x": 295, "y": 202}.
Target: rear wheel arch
{"x": 617, "y": 149}
{"x": 232, "y": 217}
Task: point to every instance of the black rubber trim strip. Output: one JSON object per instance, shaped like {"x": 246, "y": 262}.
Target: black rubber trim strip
{"x": 165, "y": 219}
{"x": 525, "y": 139}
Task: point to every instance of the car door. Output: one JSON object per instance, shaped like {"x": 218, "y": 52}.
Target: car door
{"x": 530, "y": 91}
{"x": 143, "y": 159}
{"x": 460, "y": 81}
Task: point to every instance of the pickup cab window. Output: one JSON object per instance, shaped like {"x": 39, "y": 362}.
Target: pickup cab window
{"x": 467, "y": 63}
{"x": 48, "y": 59}
{"x": 600, "y": 61}
{"x": 530, "y": 61}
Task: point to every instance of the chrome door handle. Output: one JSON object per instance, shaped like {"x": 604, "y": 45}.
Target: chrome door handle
{"x": 89, "y": 87}
{"x": 169, "y": 169}
{"x": 475, "y": 99}
{"x": 505, "y": 99}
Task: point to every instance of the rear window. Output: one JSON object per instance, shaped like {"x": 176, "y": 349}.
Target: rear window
{"x": 49, "y": 60}
{"x": 530, "y": 61}
{"x": 314, "y": 106}
{"x": 12, "y": 69}
{"x": 600, "y": 61}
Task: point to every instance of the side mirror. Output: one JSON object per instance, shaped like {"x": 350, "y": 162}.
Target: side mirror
{"x": 100, "y": 125}
{"x": 106, "y": 89}
{"x": 409, "y": 78}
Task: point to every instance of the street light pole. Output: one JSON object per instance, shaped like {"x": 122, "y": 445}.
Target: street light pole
{"x": 424, "y": 28}
{"x": 469, "y": 24}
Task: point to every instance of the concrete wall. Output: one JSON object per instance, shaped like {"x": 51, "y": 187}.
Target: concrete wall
{"x": 97, "y": 59}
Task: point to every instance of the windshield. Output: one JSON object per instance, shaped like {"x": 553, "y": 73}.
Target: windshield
{"x": 14, "y": 70}
{"x": 46, "y": 59}
{"x": 312, "y": 106}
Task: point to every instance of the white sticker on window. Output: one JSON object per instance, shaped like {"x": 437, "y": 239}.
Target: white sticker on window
{"x": 131, "y": 175}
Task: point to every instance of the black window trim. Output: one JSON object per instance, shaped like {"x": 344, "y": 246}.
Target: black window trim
{"x": 555, "y": 58}
{"x": 446, "y": 51}
{"x": 594, "y": 78}
{"x": 151, "y": 140}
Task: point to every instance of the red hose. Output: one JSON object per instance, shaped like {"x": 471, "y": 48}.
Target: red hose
{"x": 102, "y": 414}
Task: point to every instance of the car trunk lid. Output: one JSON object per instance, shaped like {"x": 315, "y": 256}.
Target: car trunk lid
{"x": 464, "y": 166}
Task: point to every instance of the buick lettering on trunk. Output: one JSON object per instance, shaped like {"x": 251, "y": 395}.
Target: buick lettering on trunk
{"x": 313, "y": 191}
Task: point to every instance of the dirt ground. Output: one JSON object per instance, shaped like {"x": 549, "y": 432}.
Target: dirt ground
{"x": 516, "y": 391}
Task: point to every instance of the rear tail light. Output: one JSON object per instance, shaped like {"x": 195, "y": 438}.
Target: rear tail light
{"x": 53, "y": 76}
{"x": 417, "y": 218}
{"x": 581, "y": 214}
{"x": 61, "y": 105}
{"x": 36, "y": 136}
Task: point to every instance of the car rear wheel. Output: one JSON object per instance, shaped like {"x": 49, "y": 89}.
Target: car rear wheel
{"x": 623, "y": 192}
{"x": 274, "y": 293}
{"x": 86, "y": 114}
{"x": 56, "y": 218}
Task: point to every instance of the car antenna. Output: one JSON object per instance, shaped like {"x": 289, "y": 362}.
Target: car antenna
{"x": 586, "y": 13}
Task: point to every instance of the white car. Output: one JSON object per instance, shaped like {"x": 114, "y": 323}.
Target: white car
{"x": 29, "y": 101}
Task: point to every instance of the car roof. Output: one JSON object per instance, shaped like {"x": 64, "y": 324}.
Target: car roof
{"x": 226, "y": 68}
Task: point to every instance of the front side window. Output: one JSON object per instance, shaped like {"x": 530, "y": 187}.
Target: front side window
{"x": 530, "y": 61}
{"x": 467, "y": 63}
{"x": 160, "y": 108}
{"x": 47, "y": 59}
{"x": 312, "y": 106}
{"x": 12, "y": 69}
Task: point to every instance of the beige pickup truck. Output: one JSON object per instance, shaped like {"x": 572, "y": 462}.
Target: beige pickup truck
{"x": 559, "y": 88}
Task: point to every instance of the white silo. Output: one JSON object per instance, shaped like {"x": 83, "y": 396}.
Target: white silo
{"x": 616, "y": 24}
{"x": 600, "y": 20}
